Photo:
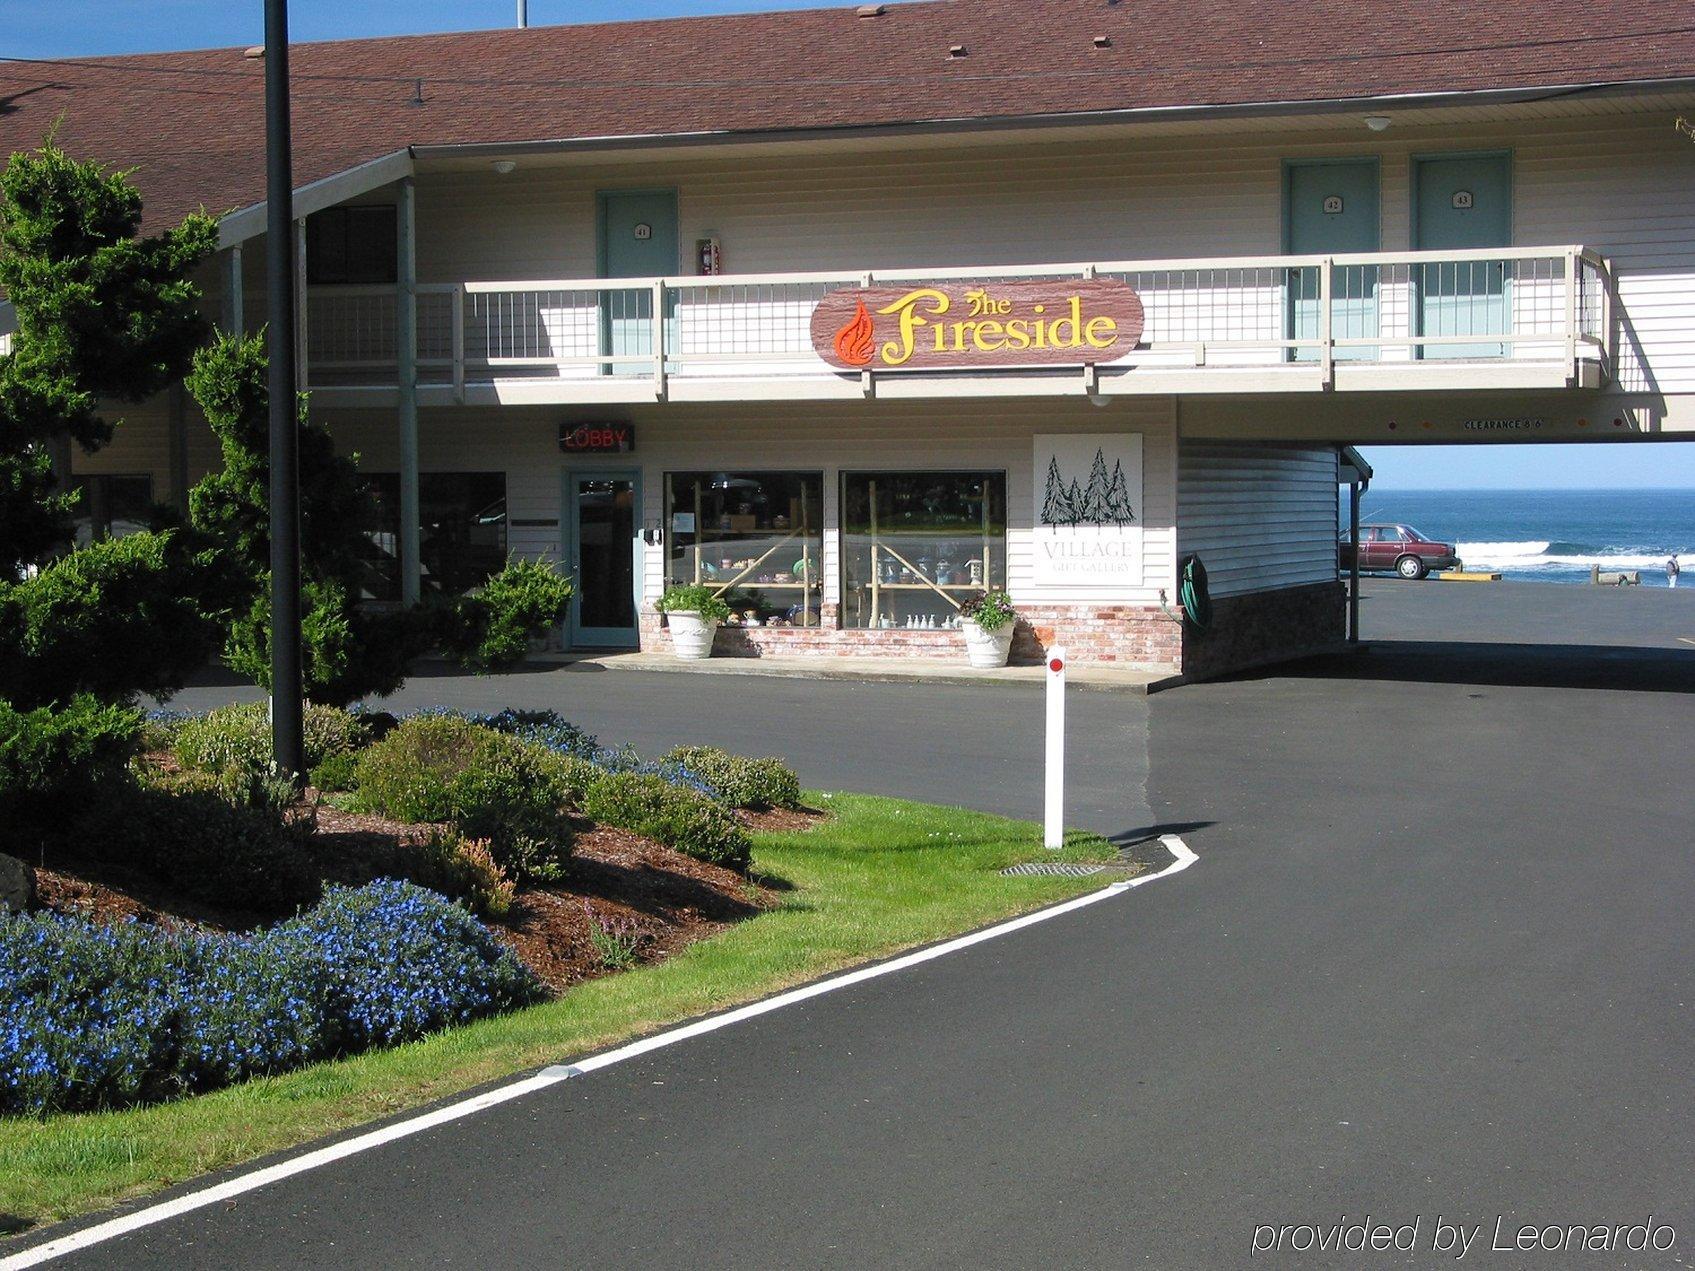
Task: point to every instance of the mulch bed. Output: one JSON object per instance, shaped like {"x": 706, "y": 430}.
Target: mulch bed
{"x": 652, "y": 899}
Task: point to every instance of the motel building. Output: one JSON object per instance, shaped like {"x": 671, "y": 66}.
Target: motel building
{"x": 853, "y": 312}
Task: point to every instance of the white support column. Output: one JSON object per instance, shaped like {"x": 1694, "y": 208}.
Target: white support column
{"x": 406, "y": 372}
{"x": 235, "y": 299}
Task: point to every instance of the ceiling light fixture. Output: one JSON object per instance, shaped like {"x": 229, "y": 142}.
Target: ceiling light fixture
{"x": 1377, "y": 123}
{"x": 504, "y": 166}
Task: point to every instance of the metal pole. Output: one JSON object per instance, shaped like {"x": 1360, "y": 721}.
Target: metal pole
{"x": 286, "y": 687}
{"x": 406, "y": 363}
{"x": 523, "y": 13}
{"x": 1354, "y": 490}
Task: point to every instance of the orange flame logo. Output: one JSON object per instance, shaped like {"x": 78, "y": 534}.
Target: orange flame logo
{"x": 853, "y": 341}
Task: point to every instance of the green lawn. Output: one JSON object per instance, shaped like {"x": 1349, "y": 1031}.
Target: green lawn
{"x": 879, "y": 876}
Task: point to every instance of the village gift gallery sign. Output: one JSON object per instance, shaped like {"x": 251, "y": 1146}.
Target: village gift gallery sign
{"x": 964, "y": 325}
{"x": 1088, "y": 503}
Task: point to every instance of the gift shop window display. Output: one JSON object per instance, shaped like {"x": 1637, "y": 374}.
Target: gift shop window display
{"x": 756, "y": 538}
{"x": 917, "y": 545}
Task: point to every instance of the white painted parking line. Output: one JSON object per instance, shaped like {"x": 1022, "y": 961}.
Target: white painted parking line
{"x": 112, "y": 1228}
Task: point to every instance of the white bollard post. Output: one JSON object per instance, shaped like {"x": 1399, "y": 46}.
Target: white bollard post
{"x": 1053, "y": 821}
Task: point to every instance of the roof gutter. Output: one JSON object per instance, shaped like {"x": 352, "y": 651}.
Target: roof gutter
{"x": 249, "y": 222}
{"x": 1072, "y": 119}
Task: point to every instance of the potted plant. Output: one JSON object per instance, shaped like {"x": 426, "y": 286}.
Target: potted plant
{"x": 989, "y": 622}
{"x": 693, "y": 614}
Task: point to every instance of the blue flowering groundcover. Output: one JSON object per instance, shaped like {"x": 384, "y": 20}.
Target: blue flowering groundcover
{"x": 100, "y": 1017}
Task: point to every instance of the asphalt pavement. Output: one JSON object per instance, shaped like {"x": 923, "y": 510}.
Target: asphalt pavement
{"x": 1433, "y": 966}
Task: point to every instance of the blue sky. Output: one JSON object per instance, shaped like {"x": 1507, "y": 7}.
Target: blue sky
{"x": 1620, "y": 465}
{"x": 69, "y": 28}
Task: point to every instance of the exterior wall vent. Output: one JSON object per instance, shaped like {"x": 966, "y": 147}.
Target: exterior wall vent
{"x": 1103, "y": 41}
{"x": 254, "y": 50}
{"x": 958, "y": 50}
{"x": 871, "y": 10}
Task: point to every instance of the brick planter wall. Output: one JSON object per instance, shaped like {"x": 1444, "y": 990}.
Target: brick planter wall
{"x": 1266, "y": 626}
{"x": 1131, "y": 635}
{"x": 1116, "y": 634}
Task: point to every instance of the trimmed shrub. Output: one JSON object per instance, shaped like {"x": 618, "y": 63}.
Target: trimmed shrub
{"x": 215, "y": 844}
{"x": 673, "y": 815}
{"x": 739, "y": 781}
{"x": 336, "y": 772}
{"x": 492, "y": 627}
{"x": 102, "y": 1017}
{"x": 488, "y": 784}
{"x": 239, "y": 737}
{"x": 461, "y": 869}
{"x": 115, "y": 619}
{"x": 547, "y": 728}
{"x": 50, "y": 753}
{"x": 409, "y": 773}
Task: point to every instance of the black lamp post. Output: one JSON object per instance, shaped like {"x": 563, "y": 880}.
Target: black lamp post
{"x": 286, "y": 688}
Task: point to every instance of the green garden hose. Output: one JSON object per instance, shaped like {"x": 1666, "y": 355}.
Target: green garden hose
{"x": 1193, "y": 594}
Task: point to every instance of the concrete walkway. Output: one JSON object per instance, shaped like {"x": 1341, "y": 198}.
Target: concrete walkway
{"x": 886, "y": 670}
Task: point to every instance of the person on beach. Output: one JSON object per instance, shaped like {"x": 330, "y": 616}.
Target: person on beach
{"x": 1673, "y": 569}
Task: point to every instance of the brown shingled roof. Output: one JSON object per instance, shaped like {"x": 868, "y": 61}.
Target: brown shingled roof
{"x": 193, "y": 122}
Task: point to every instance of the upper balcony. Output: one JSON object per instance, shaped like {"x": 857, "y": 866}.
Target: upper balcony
{"x": 1519, "y": 318}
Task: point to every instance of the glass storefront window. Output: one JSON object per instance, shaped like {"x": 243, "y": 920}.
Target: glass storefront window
{"x": 111, "y": 506}
{"x": 755, "y": 537}
{"x": 461, "y": 536}
{"x": 915, "y": 545}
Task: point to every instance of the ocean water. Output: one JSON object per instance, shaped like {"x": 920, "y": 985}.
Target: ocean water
{"x": 1549, "y": 535}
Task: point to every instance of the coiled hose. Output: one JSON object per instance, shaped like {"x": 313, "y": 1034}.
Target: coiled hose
{"x": 1192, "y": 593}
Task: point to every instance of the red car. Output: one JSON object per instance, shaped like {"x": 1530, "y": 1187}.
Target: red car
{"x": 1400, "y": 548}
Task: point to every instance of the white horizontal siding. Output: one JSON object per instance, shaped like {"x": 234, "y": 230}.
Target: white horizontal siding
{"x": 1621, "y": 184}
{"x": 1258, "y": 516}
{"x": 832, "y": 438}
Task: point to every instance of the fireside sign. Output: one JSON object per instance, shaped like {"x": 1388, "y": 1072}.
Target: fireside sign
{"x": 962, "y": 325}
{"x": 597, "y": 439}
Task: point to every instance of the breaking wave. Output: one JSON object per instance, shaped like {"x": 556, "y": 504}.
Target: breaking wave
{"x": 1539, "y": 554}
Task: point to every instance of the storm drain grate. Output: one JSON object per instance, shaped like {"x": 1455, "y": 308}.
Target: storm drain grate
{"x": 1051, "y": 869}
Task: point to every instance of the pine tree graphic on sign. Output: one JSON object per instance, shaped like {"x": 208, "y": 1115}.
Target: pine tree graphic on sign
{"x": 1105, "y": 498}
{"x": 1118, "y": 495}
{"x": 1095, "y": 508}
{"x": 1058, "y": 502}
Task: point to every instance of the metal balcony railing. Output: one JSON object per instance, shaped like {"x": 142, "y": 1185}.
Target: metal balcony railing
{"x": 1243, "y": 321}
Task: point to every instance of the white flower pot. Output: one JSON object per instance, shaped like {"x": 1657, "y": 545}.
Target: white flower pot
{"x": 691, "y": 635}
{"x": 988, "y": 648}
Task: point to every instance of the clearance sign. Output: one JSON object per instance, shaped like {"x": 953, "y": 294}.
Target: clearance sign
{"x": 963, "y": 325}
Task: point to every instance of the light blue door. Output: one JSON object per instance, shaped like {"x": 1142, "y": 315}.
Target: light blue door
{"x": 602, "y": 551}
{"x": 1461, "y": 202}
{"x": 638, "y": 239}
{"x": 1330, "y": 209}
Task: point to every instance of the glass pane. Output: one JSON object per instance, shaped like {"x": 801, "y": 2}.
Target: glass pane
{"x": 917, "y": 544}
{"x": 606, "y": 529}
{"x": 461, "y": 534}
{"x": 756, "y": 536}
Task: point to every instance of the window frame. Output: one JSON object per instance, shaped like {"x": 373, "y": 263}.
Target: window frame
{"x": 845, "y": 553}
{"x": 810, "y": 596}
